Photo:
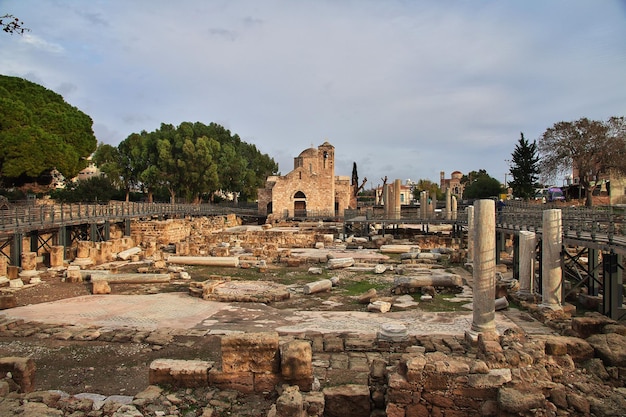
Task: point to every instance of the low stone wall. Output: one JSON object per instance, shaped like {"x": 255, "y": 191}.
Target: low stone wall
{"x": 353, "y": 375}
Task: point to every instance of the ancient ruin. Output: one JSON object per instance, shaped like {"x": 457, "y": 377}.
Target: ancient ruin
{"x": 315, "y": 322}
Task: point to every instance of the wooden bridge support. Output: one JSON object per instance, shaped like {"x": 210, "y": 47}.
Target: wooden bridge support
{"x": 16, "y": 249}
{"x": 612, "y": 271}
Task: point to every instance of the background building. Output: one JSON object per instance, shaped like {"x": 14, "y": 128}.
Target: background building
{"x": 311, "y": 189}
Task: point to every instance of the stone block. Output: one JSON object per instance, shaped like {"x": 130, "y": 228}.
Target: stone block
{"x": 314, "y": 404}
{"x": 266, "y": 382}
{"x": 290, "y": 403}
{"x": 555, "y": 346}
{"x": 333, "y": 344}
{"x": 318, "y": 286}
{"x": 100, "y": 287}
{"x": 495, "y": 378}
{"x": 514, "y": 401}
{"x": 7, "y": 301}
{"x": 250, "y": 352}
{"x": 347, "y": 401}
{"x": 296, "y": 360}
{"x": 180, "y": 373}
{"x": 237, "y": 381}
{"x": 21, "y": 369}
{"x": 589, "y": 325}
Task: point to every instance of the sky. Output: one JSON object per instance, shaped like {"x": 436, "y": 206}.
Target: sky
{"x": 403, "y": 88}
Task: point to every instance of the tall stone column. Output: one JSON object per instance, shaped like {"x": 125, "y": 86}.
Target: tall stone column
{"x": 448, "y": 204}
{"x": 484, "y": 275}
{"x": 397, "y": 206}
{"x": 387, "y": 200}
{"x": 454, "y": 207}
{"x": 551, "y": 246}
{"x": 470, "y": 233}
{"x": 424, "y": 204}
{"x": 526, "y": 262}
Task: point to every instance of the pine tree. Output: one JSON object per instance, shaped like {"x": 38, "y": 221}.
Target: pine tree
{"x": 524, "y": 169}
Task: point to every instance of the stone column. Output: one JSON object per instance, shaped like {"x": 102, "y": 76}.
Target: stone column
{"x": 83, "y": 252}
{"x": 387, "y": 200}
{"x": 29, "y": 267}
{"x": 470, "y": 233}
{"x": 424, "y": 204}
{"x": 526, "y": 263}
{"x": 454, "y": 207}
{"x": 448, "y": 215}
{"x": 551, "y": 246}
{"x": 3, "y": 266}
{"x": 56, "y": 256}
{"x": 484, "y": 275}
{"x": 397, "y": 206}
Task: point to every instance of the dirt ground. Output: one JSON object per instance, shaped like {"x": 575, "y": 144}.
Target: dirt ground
{"x": 122, "y": 368}
{"x": 92, "y": 366}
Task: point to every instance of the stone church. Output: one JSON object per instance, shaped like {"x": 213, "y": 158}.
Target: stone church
{"x": 311, "y": 189}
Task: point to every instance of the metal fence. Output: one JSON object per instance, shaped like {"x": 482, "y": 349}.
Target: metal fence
{"x": 31, "y": 217}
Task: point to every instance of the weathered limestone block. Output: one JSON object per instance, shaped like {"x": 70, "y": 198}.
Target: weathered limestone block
{"x": 73, "y": 274}
{"x": 379, "y": 306}
{"x": 392, "y": 332}
{"x": 314, "y": 404}
{"x": 100, "y": 287}
{"x": 514, "y": 401}
{"x": 589, "y": 325}
{"x": 347, "y": 401}
{"x": 266, "y": 382}
{"x": 16, "y": 283}
{"x": 494, "y": 379}
{"x": 429, "y": 255}
{"x": 367, "y": 297}
{"x": 290, "y": 403}
{"x": 380, "y": 268}
{"x": 338, "y": 263}
{"x": 128, "y": 253}
{"x": 296, "y": 363}
{"x": 399, "y": 249}
{"x": 7, "y": 301}
{"x": 22, "y": 370}
{"x": 13, "y": 272}
{"x": 238, "y": 381}
{"x": 131, "y": 278}
{"x": 250, "y": 352}
{"x": 501, "y": 303}
{"x": 433, "y": 279}
{"x": 56, "y": 257}
{"x": 610, "y": 347}
{"x": 180, "y": 373}
{"x": 83, "y": 248}
{"x": 29, "y": 261}
{"x": 318, "y": 286}
{"x": 205, "y": 260}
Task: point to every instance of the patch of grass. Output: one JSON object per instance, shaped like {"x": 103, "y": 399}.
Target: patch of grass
{"x": 440, "y": 303}
{"x": 353, "y": 288}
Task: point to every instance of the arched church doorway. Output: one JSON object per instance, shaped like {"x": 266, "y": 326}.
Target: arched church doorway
{"x": 299, "y": 204}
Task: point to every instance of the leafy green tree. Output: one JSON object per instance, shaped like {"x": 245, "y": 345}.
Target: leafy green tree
{"x": 524, "y": 169}
{"x": 39, "y": 131}
{"x": 434, "y": 191}
{"x": 192, "y": 161}
{"x": 589, "y": 148}
{"x": 479, "y": 184}
{"x": 98, "y": 189}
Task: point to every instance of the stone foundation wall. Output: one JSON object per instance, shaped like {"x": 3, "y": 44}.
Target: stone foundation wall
{"x": 172, "y": 231}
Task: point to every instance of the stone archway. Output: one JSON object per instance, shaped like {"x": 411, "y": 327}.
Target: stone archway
{"x": 299, "y": 204}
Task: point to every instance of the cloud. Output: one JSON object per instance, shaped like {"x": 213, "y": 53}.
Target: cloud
{"x": 405, "y": 89}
